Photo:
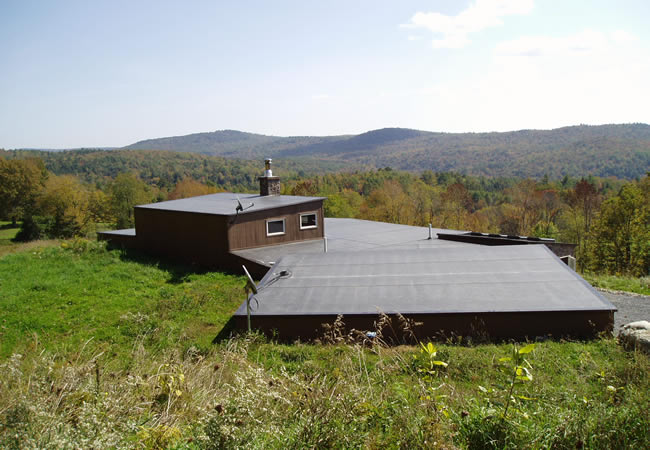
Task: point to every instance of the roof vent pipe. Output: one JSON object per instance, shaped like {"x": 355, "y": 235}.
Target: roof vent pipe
{"x": 430, "y": 237}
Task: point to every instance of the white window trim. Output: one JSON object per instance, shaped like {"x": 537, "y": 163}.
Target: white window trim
{"x": 309, "y": 227}
{"x": 284, "y": 226}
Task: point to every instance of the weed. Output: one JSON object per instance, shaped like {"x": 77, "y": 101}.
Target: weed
{"x": 518, "y": 374}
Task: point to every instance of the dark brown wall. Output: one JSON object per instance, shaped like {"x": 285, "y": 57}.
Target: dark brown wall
{"x": 191, "y": 237}
{"x": 249, "y": 230}
{"x": 118, "y": 240}
{"x": 496, "y": 326}
{"x": 562, "y": 248}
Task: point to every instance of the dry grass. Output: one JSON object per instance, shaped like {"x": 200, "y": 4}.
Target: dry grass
{"x": 20, "y": 247}
{"x": 251, "y": 393}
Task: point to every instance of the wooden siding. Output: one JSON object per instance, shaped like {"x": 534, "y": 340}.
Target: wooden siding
{"x": 249, "y": 230}
{"x": 191, "y": 237}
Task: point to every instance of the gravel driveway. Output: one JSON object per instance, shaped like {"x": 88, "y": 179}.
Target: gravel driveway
{"x": 631, "y": 307}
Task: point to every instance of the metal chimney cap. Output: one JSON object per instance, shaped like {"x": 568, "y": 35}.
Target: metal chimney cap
{"x": 267, "y": 167}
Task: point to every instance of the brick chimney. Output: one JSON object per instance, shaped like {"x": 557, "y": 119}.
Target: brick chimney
{"x": 269, "y": 185}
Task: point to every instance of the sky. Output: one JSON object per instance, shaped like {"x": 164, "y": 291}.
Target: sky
{"x": 110, "y": 73}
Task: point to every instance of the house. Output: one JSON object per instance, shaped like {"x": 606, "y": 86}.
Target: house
{"x": 205, "y": 230}
{"x": 449, "y": 290}
{"x": 453, "y": 282}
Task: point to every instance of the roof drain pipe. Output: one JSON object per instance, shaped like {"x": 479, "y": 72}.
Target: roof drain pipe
{"x": 325, "y": 244}
{"x": 430, "y": 230}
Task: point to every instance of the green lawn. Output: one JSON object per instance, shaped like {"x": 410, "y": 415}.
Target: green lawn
{"x": 106, "y": 349}
{"x": 620, "y": 283}
{"x": 63, "y": 297}
{"x": 7, "y": 233}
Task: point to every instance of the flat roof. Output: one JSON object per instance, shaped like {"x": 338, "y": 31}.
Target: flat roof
{"x": 124, "y": 232}
{"x": 354, "y": 235}
{"x": 224, "y": 203}
{"x": 468, "y": 279}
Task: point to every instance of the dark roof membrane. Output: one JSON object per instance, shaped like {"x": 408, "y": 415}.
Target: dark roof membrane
{"x": 224, "y": 203}
{"x": 471, "y": 279}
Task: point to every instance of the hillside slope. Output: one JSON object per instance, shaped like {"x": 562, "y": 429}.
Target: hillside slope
{"x": 231, "y": 143}
{"x": 605, "y": 150}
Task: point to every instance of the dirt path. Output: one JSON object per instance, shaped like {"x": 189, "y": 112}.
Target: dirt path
{"x": 631, "y": 307}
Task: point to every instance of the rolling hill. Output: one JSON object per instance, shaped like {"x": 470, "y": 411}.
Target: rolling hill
{"x": 605, "y": 150}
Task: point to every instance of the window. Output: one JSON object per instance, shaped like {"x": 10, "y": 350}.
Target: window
{"x": 274, "y": 227}
{"x": 308, "y": 221}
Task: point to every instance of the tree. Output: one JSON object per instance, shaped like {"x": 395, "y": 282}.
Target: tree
{"x": 526, "y": 211}
{"x": 583, "y": 203}
{"x": 344, "y": 204}
{"x": 620, "y": 241}
{"x": 389, "y": 203}
{"x": 21, "y": 180}
{"x": 456, "y": 206}
{"x": 306, "y": 188}
{"x": 426, "y": 202}
{"x": 126, "y": 191}
{"x": 188, "y": 187}
{"x": 64, "y": 202}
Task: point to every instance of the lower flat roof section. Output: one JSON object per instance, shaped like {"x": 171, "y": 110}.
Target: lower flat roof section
{"x": 122, "y": 238}
{"x": 504, "y": 291}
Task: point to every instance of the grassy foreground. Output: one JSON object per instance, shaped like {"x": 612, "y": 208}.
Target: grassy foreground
{"x": 106, "y": 349}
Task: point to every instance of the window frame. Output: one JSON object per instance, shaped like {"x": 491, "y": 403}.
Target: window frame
{"x": 284, "y": 226}
{"x": 309, "y": 227}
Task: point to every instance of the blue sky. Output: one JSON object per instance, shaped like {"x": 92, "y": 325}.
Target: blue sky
{"x": 110, "y": 73}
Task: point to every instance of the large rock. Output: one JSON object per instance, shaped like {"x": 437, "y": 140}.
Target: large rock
{"x": 636, "y": 335}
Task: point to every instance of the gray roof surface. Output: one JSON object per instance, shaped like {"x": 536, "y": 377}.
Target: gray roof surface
{"x": 224, "y": 203}
{"x": 471, "y": 278}
{"x": 354, "y": 234}
{"x": 124, "y": 232}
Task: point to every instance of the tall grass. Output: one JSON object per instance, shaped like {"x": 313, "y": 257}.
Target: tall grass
{"x": 107, "y": 349}
{"x": 248, "y": 392}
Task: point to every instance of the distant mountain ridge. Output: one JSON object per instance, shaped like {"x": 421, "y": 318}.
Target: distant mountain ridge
{"x": 231, "y": 143}
{"x": 603, "y": 150}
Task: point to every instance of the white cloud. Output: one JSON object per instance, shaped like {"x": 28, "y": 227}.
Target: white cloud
{"x": 623, "y": 37}
{"x": 587, "y": 77}
{"x": 320, "y": 97}
{"x": 481, "y": 14}
{"x": 587, "y": 41}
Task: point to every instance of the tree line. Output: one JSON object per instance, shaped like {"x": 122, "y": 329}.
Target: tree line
{"x": 608, "y": 219}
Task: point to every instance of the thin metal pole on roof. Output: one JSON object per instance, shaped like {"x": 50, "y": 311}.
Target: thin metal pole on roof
{"x": 248, "y": 312}
{"x": 430, "y": 237}
{"x": 250, "y": 286}
{"x": 325, "y": 244}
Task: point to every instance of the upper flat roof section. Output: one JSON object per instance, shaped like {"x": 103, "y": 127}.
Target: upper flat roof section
{"x": 354, "y": 235}
{"x": 225, "y": 203}
{"x": 470, "y": 279}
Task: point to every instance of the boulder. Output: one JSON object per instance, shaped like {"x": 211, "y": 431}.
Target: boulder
{"x": 636, "y": 335}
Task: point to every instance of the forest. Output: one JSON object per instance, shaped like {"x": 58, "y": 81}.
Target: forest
{"x": 620, "y": 150}
{"x": 66, "y": 194}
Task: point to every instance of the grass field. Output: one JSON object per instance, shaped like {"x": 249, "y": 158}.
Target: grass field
{"x": 111, "y": 349}
{"x": 620, "y": 283}
{"x": 66, "y": 294}
{"x": 7, "y": 233}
